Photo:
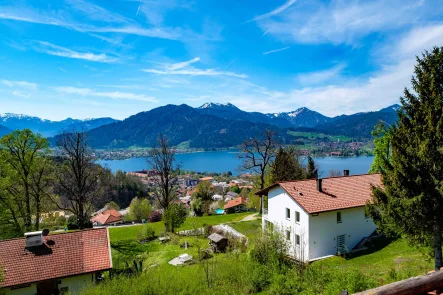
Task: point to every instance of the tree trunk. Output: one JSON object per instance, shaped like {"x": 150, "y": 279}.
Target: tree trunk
{"x": 262, "y": 186}
{"x": 37, "y": 215}
{"x": 81, "y": 216}
{"x": 437, "y": 246}
{"x": 28, "y": 209}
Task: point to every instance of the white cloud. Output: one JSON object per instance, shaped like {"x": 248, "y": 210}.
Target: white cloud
{"x": 115, "y": 23}
{"x": 112, "y": 95}
{"x": 63, "y": 70}
{"x": 275, "y": 11}
{"x": 95, "y": 12}
{"x": 184, "y": 64}
{"x": 419, "y": 39}
{"x": 21, "y": 89}
{"x": 56, "y": 50}
{"x": 343, "y": 21}
{"x": 20, "y": 84}
{"x": 275, "y": 50}
{"x": 184, "y": 68}
{"x": 318, "y": 77}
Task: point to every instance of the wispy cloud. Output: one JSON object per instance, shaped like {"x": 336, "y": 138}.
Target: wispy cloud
{"x": 184, "y": 64}
{"x": 63, "y": 70}
{"x": 275, "y": 50}
{"x": 184, "y": 68}
{"x": 322, "y": 76}
{"x": 275, "y": 11}
{"x": 114, "y": 23}
{"x": 56, "y": 50}
{"x": 95, "y": 12}
{"x": 21, "y": 89}
{"x": 112, "y": 95}
{"x": 20, "y": 84}
{"x": 346, "y": 22}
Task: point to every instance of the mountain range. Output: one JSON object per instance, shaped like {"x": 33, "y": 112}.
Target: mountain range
{"x": 49, "y": 128}
{"x": 212, "y": 125}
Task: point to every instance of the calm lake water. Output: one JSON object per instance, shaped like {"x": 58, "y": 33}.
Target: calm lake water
{"x": 227, "y": 161}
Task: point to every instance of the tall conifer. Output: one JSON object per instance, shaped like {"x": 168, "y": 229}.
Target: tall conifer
{"x": 411, "y": 200}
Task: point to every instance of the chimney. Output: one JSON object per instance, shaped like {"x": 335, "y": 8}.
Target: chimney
{"x": 34, "y": 239}
{"x": 319, "y": 184}
{"x": 346, "y": 172}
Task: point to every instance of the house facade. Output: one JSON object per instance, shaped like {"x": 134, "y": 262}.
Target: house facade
{"x": 54, "y": 264}
{"x": 321, "y": 217}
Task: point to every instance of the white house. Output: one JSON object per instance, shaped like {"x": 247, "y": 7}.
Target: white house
{"x": 321, "y": 217}
{"x": 54, "y": 264}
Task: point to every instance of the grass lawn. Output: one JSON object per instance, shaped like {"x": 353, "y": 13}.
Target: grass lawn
{"x": 386, "y": 262}
{"x": 249, "y": 228}
{"x": 125, "y": 245}
{"x": 130, "y": 232}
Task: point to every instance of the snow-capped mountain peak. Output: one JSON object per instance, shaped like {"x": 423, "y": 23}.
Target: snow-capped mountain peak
{"x": 215, "y": 105}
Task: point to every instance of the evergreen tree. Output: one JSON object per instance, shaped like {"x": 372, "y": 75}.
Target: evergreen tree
{"x": 287, "y": 166}
{"x": 410, "y": 203}
{"x": 311, "y": 169}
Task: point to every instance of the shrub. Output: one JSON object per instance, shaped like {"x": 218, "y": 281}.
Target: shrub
{"x": 155, "y": 216}
{"x": 61, "y": 220}
{"x": 139, "y": 209}
{"x": 72, "y": 222}
{"x": 269, "y": 248}
{"x": 146, "y": 232}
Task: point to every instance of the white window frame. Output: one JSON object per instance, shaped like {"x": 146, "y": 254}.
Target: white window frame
{"x": 297, "y": 240}
{"x": 288, "y": 235}
{"x": 288, "y": 214}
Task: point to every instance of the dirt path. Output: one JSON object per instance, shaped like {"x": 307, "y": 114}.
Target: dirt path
{"x": 250, "y": 217}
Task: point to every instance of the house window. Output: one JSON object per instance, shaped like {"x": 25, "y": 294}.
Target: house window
{"x": 297, "y": 240}
{"x": 288, "y": 213}
{"x": 339, "y": 217}
{"x": 288, "y": 235}
{"x": 297, "y": 216}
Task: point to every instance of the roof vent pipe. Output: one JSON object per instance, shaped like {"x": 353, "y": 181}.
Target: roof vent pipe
{"x": 346, "y": 172}
{"x": 319, "y": 184}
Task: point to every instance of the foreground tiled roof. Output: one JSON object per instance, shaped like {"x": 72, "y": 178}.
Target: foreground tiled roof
{"x": 61, "y": 255}
{"x": 235, "y": 202}
{"x": 337, "y": 192}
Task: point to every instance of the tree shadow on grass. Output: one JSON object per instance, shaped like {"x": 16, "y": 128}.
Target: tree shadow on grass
{"x": 129, "y": 248}
{"x": 373, "y": 245}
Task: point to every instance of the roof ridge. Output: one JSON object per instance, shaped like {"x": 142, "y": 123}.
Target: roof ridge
{"x": 59, "y": 233}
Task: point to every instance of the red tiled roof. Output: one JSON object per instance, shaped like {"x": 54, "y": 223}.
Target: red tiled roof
{"x": 206, "y": 178}
{"x": 107, "y": 217}
{"x": 235, "y": 202}
{"x": 61, "y": 255}
{"x": 337, "y": 192}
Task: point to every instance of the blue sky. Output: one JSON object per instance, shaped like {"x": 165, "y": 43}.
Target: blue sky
{"x": 83, "y": 59}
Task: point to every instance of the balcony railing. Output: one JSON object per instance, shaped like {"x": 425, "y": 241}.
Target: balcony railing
{"x": 265, "y": 211}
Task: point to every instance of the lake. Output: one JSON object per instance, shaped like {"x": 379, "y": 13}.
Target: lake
{"x": 224, "y": 161}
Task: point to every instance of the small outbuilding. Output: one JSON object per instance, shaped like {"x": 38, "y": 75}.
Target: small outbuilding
{"x": 218, "y": 242}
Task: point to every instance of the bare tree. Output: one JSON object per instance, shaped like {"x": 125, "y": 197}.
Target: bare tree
{"x": 162, "y": 160}
{"x": 79, "y": 177}
{"x": 257, "y": 154}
